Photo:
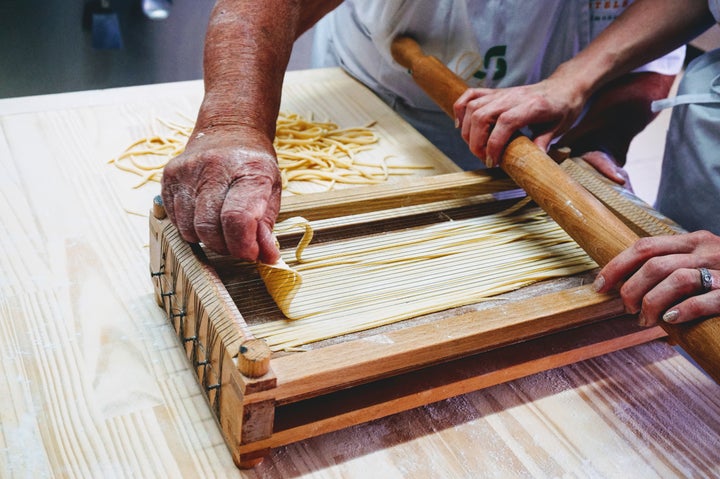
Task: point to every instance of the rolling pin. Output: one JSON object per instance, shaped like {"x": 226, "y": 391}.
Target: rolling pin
{"x": 598, "y": 231}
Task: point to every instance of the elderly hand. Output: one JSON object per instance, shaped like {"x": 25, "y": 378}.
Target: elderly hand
{"x": 224, "y": 191}
{"x": 489, "y": 117}
{"x": 673, "y": 278}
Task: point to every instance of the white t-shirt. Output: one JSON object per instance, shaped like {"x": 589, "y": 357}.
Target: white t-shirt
{"x": 493, "y": 43}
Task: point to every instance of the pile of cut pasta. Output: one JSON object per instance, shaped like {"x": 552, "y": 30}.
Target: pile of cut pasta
{"x": 338, "y": 288}
{"x": 312, "y": 155}
{"x": 148, "y": 156}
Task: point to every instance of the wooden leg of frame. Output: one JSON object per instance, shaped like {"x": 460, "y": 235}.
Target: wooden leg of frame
{"x": 252, "y": 459}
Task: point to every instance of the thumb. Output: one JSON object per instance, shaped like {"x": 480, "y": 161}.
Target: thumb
{"x": 267, "y": 245}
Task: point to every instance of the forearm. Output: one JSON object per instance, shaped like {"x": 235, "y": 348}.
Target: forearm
{"x": 618, "y": 111}
{"x": 647, "y": 30}
{"x": 247, "y": 48}
{"x": 224, "y": 190}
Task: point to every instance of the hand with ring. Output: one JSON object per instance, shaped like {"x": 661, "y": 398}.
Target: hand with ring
{"x": 667, "y": 278}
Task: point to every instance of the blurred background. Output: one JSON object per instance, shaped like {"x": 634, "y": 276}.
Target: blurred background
{"x": 52, "y": 46}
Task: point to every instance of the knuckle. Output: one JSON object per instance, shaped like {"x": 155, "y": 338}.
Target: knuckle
{"x": 626, "y": 290}
{"x": 644, "y": 246}
{"x": 713, "y": 297}
{"x": 686, "y": 276}
{"x": 654, "y": 266}
{"x": 478, "y": 117}
{"x": 682, "y": 282}
{"x": 648, "y": 303}
{"x": 507, "y": 117}
{"x": 701, "y": 236}
{"x": 206, "y": 228}
{"x": 693, "y": 307}
{"x": 236, "y": 218}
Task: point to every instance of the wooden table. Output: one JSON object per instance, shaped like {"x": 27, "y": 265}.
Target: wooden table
{"x": 95, "y": 384}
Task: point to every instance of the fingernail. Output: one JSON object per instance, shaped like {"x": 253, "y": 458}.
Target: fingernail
{"x": 598, "y": 283}
{"x": 642, "y": 322}
{"x": 457, "y": 122}
{"x": 671, "y": 316}
{"x": 489, "y": 162}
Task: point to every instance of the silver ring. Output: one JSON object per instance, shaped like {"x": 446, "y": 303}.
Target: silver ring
{"x": 706, "y": 279}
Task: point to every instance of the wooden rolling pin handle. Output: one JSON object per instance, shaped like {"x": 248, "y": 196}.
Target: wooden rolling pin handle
{"x": 595, "y": 228}
{"x": 254, "y": 358}
{"x": 600, "y": 233}
{"x": 701, "y": 340}
{"x": 429, "y": 73}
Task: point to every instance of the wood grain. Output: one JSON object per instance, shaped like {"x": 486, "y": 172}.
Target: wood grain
{"x": 338, "y": 366}
{"x": 402, "y": 192}
{"x": 94, "y": 381}
{"x": 592, "y": 410}
{"x": 95, "y": 384}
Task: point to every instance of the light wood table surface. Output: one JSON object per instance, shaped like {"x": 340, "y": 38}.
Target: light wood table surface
{"x": 94, "y": 383}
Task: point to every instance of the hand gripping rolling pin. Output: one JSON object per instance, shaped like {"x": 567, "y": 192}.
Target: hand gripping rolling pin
{"x": 600, "y": 233}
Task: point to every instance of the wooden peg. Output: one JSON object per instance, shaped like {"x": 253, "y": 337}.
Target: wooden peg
{"x": 254, "y": 358}
{"x": 158, "y": 209}
{"x": 559, "y": 154}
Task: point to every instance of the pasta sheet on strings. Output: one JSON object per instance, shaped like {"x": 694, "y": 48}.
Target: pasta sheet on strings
{"x": 328, "y": 290}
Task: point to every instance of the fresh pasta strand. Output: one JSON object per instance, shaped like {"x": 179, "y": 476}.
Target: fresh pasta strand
{"x": 361, "y": 283}
{"x": 282, "y": 281}
{"x": 308, "y": 152}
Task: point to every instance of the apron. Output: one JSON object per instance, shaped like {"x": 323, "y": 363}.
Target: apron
{"x": 487, "y": 43}
{"x": 690, "y": 178}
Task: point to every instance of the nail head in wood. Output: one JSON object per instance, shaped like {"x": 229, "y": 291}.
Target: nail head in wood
{"x": 254, "y": 358}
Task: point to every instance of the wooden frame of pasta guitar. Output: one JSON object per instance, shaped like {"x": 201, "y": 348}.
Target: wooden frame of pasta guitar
{"x": 330, "y": 388}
